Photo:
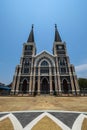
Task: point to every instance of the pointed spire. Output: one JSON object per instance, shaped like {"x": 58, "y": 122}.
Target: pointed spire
{"x": 31, "y": 35}
{"x": 57, "y": 36}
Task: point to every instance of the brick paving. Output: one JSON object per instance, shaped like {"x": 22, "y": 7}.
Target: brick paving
{"x": 1, "y": 115}
{"x": 25, "y": 118}
{"x": 66, "y": 118}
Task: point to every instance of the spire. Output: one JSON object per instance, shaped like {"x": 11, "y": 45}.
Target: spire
{"x": 31, "y": 35}
{"x": 57, "y": 36}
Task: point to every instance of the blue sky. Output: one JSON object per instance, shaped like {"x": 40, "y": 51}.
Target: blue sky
{"x": 16, "y": 18}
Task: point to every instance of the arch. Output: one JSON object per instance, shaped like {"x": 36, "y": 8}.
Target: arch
{"x": 44, "y": 63}
{"x": 25, "y": 79}
{"x": 46, "y": 79}
{"x": 44, "y": 88}
{"x": 62, "y": 61}
{"x": 44, "y": 66}
{"x": 44, "y": 56}
{"x": 24, "y": 86}
{"x": 65, "y": 86}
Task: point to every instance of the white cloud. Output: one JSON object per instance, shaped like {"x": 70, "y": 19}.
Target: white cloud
{"x": 80, "y": 68}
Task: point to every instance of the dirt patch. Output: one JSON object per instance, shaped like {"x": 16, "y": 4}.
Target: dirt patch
{"x": 46, "y": 124}
{"x": 43, "y": 103}
{"x": 5, "y": 124}
{"x": 84, "y": 125}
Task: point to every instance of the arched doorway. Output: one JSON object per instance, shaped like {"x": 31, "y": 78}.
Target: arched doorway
{"x": 36, "y": 88}
{"x": 53, "y": 86}
{"x": 65, "y": 86}
{"x": 45, "y": 89}
{"x": 24, "y": 86}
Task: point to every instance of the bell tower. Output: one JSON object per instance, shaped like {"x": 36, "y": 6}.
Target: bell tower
{"x": 23, "y": 73}
{"x": 66, "y": 79}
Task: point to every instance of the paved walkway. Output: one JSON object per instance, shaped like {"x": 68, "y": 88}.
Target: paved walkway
{"x": 25, "y": 120}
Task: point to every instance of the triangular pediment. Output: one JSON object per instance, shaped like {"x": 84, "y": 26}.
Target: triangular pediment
{"x": 44, "y": 53}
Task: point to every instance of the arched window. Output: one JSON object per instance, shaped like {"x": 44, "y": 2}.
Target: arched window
{"x": 26, "y": 70}
{"x": 44, "y": 67}
{"x": 26, "y": 61}
{"x": 44, "y": 63}
{"x": 62, "y": 61}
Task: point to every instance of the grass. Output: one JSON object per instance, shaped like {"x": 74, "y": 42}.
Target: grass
{"x": 43, "y": 103}
{"x": 46, "y": 124}
{"x": 6, "y": 124}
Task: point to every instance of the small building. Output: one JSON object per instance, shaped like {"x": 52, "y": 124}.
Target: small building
{"x": 45, "y": 73}
{"x": 4, "y": 90}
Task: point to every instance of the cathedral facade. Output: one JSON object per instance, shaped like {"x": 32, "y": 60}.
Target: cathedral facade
{"x": 45, "y": 73}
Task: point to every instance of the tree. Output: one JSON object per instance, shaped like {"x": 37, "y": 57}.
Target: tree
{"x": 83, "y": 85}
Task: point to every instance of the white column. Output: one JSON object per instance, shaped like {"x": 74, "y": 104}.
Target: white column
{"x": 18, "y": 80}
{"x": 58, "y": 77}
{"x": 30, "y": 84}
{"x": 50, "y": 74}
{"x": 70, "y": 74}
{"x": 31, "y": 79}
{"x": 38, "y": 80}
{"x": 71, "y": 79}
{"x": 33, "y": 89}
{"x": 13, "y": 84}
{"x": 76, "y": 84}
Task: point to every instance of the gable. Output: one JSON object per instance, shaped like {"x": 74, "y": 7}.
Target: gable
{"x": 44, "y": 56}
{"x": 44, "y": 53}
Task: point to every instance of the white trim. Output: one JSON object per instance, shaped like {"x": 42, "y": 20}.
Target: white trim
{"x": 24, "y": 79}
{"x": 17, "y": 125}
{"x": 39, "y": 65}
{"x": 78, "y": 122}
{"x": 44, "y": 111}
{"x": 44, "y": 51}
{"x": 45, "y": 78}
{"x": 64, "y": 79}
{"x": 36, "y": 120}
{"x": 14, "y": 120}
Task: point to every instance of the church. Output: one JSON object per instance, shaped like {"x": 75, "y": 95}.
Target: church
{"x": 45, "y": 73}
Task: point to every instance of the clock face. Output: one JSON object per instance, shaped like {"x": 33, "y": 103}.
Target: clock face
{"x": 60, "y": 47}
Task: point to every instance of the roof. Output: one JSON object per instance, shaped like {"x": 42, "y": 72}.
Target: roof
{"x": 57, "y": 35}
{"x": 5, "y": 87}
{"x": 44, "y": 52}
{"x": 31, "y": 36}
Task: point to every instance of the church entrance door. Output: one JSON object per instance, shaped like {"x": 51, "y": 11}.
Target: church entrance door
{"x": 45, "y": 89}
{"x": 65, "y": 86}
{"x": 24, "y": 87}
